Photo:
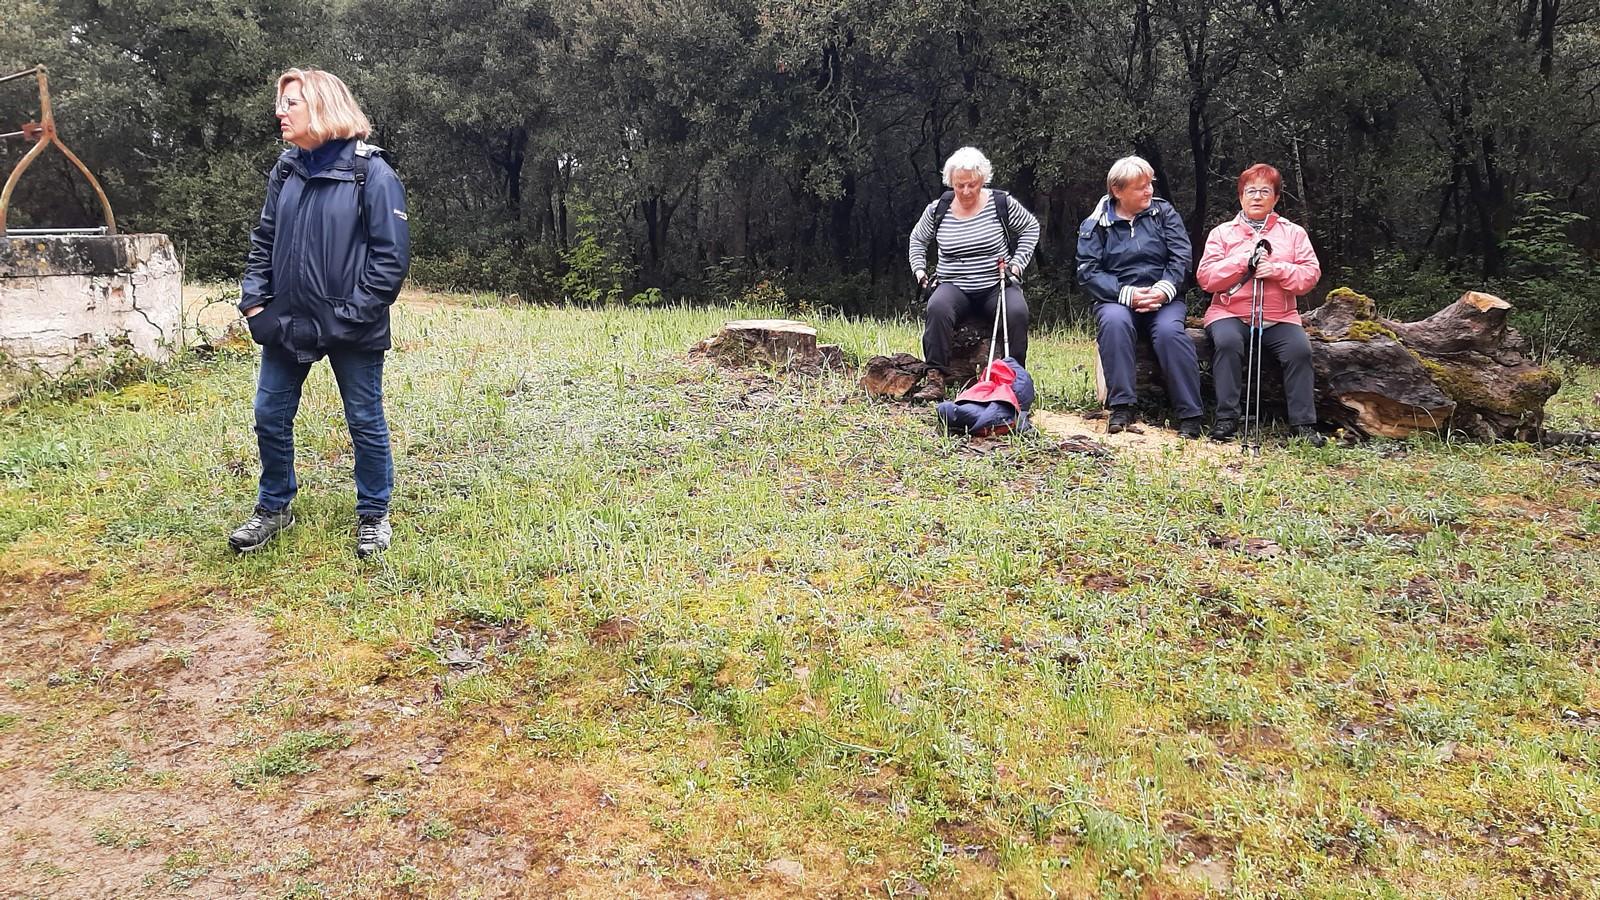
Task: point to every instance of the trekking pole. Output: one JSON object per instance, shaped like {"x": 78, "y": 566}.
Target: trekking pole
{"x": 1251, "y": 439}
{"x": 1005, "y": 320}
{"x": 1001, "y": 326}
{"x": 1252, "y": 375}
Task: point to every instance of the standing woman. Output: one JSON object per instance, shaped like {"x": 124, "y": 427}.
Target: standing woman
{"x": 1133, "y": 258}
{"x": 979, "y": 227}
{"x": 1288, "y": 267}
{"x": 326, "y": 261}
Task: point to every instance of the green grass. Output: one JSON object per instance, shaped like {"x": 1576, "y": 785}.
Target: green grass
{"x": 858, "y": 646}
{"x": 287, "y": 756}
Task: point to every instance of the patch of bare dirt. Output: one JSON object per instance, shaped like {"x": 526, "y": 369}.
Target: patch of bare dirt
{"x": 1200, "y": 857}
{"x": 116, "y": 784}
{"x": 118, "y": 751}
{"x": 1143, "y": 437}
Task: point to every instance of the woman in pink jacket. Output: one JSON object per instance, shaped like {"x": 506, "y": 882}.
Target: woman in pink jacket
{"x": 1286, "y": 267}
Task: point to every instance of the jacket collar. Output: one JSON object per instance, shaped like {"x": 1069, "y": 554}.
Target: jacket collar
{"x": 1102, "y": 210}
{"x": 1242, "y": 222}
{"x": 342, "y": 167}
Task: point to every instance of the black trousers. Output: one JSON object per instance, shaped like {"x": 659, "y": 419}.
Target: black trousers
{"x": 950, "y": 304}
{"x": 1286, "y": 342}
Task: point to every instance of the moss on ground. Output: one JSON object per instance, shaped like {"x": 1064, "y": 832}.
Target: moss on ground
{"x": 652, "y": 623}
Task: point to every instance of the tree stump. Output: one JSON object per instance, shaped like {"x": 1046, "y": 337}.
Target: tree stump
{"x": 1461, "y": 369}
{"x": 782, "y": 343}
{"x": 906, "y": 377}
{"x": 969, "y": 350}
{"x": 902, "y": 377}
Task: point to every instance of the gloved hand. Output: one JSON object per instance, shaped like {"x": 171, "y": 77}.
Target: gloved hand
{"x": 922, "y": 278}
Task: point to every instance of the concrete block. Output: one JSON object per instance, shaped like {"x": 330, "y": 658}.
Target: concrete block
{"x": 73, "y": 301}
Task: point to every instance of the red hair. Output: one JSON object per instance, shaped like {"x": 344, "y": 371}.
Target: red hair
{"x": 1261, "y": 172}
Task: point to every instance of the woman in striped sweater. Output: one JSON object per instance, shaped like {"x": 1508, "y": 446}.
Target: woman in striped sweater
{"x": 982, "y": 229}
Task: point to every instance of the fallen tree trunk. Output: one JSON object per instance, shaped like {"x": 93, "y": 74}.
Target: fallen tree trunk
{"x": 1460, "y": 370}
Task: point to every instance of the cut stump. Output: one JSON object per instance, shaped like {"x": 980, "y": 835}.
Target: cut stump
{"x": 902, "y": 377}
{"x": 906, "y": 377}
{"x": 782, "y": 343}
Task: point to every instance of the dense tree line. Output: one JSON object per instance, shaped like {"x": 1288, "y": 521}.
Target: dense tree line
{"x": 616, "y": 150}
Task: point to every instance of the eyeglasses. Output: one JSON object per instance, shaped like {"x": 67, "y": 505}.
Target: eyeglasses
{"x": 286, "y": 104}
{"x": 1258, "y": 192}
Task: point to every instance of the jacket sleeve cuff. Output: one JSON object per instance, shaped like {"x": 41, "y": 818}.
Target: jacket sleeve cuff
{"x": 1167, "y": 287}
{"x": 1125, "y": 296}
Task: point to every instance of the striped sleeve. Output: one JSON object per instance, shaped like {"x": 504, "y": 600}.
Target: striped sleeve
{"x": 921, "y": 236}
{"x": 1026, "y": 227}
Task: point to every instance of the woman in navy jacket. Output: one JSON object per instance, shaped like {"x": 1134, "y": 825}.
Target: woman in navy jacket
{"x": 1133, "y": 258}
{"x": 326, "y": 261}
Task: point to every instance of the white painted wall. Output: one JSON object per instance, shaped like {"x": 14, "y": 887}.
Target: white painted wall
{"x": 62, "y": 306}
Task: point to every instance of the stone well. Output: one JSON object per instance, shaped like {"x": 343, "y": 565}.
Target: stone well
{"x": 76, "y": 300}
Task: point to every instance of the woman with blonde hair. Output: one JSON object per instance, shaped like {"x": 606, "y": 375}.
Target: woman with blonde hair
{"x": 326, "y": 261}
{"x": 1133, "y": 260}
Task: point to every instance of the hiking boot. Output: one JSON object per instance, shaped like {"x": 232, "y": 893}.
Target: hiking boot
{"x": 1310, "y": 435}
{"x": 1225, "y": 429}
{"x": 1121, "y": 418}
{"x": 1189, "y": 428}
{"x": 372, "y": 535}
{"x": 262, "y": 526}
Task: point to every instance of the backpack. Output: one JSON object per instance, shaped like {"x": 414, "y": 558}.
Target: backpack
{"x": 1002, "y": 211}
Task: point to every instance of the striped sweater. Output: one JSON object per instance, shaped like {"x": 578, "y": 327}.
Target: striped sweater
{"x": 968, "y": 248}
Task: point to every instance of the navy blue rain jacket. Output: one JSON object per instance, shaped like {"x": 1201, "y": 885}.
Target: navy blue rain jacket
{"x": 325, "y": 271}
{"x": 1151, "y": 249}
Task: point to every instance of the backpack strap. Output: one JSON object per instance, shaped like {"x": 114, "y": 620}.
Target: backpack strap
{"x": 1002, "y": 211}
{"x": 942, "y": 210}
{"x": 363, "y": 161}
{"x": 281, "y": 170}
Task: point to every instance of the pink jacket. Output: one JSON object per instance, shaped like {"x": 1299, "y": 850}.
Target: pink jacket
{"x": 1227, "y": 255}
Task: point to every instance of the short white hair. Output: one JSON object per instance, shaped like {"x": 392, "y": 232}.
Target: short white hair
{"x": 1128, "y": 170}
{"x": 968, "y": 159}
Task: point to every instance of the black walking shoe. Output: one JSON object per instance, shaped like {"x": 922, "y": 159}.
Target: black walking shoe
{"x": 1310, "y": 435}
{"x": 372, "y": 535}
{"x": 1121, "y": 418}
{"x": 262, "y": 526}
{"x": 1189, "y": 428}
{"x": 1225, "y": 430}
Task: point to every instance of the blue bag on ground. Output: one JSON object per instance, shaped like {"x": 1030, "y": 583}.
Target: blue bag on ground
{"x": 997, "y": 404}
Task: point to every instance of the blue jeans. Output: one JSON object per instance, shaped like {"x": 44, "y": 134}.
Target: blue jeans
{"x": 360, "y": 377}
{"x": 1120, "y": 327}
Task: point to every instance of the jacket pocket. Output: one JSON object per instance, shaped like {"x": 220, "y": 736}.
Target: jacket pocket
{"x": 265, "y": 327}
{"x": 357, "y": 312}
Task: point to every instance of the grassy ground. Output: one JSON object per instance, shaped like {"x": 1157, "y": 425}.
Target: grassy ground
{"x": 653, "y": 628}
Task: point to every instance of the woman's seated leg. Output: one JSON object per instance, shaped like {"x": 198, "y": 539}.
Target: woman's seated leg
{"x": 1228, "y": 338}
{"x": 1115, "y": 334}
{"x": 1179, "y": 362}
{"x": 1288, "y": 343}
{"x": 945, "y": 309}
